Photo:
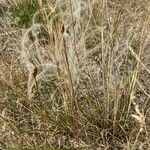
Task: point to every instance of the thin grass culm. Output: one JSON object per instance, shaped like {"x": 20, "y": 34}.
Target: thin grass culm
{"x": 75, "y": 74}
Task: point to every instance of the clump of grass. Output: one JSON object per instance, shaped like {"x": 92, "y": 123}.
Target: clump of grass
{"x": 82, "y": 89}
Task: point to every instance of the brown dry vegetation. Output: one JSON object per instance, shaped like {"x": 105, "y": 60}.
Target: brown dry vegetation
{"x": 75, "y": 74}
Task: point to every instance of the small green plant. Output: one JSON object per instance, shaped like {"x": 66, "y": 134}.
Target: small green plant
{"x": 25, "y": 12}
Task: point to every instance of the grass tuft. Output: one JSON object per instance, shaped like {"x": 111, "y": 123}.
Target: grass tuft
{"x": 74, "y": 74}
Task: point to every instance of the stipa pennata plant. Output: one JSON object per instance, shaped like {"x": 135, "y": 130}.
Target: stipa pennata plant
{"x": 80, "y": 63}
